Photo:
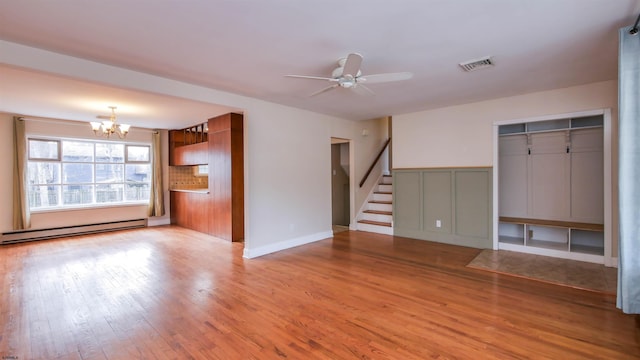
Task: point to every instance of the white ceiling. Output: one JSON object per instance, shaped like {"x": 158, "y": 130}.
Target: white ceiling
{"x": 247, "y": 46}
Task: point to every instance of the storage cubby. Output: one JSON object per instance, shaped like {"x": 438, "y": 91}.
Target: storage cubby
{"x": 548, "y": 237}
{"x": 580, "y": 241}
{"x": 587, "y": 242}
{"x": 511, "y": 233}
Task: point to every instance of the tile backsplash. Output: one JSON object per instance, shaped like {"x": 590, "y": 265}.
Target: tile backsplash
{"x": 183, "y": 177}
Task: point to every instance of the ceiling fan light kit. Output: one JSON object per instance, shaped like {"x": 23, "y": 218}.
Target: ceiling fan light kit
{"x": 349, "y": 76}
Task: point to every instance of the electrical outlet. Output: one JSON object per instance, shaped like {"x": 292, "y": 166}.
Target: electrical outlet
{"x": 438, "y": 223}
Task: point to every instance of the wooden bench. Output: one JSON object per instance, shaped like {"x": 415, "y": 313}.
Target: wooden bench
{"x": 555, "y": 223}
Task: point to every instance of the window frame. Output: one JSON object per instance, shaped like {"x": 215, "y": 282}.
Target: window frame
{"x": 94, "y": 183}
{"x": 126, "y": 154}
{"x": 59, "y": 149}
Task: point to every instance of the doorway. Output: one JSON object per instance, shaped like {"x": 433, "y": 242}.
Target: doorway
{"x": 340, "y": 185}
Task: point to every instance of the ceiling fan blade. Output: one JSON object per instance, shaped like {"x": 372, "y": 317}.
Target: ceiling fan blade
{"x": 352, "y": 65}
{"x": 312, "y": 77}
{"x": 363, "y": 90}
{"x": 324, "y": 90}
{"x": 387, "y": 77}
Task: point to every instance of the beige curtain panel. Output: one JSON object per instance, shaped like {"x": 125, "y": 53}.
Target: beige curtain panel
{"x": 156, "y": 198}
{"x": 21, "y": 214}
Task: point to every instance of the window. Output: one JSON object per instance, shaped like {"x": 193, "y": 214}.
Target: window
{"x": 71, "y": 173}
{"x": 201, "y": 170}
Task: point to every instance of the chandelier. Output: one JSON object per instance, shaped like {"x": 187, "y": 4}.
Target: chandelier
{"x": 108, "y": 127}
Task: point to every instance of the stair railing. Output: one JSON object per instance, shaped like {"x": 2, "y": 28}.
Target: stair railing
{"x": 375, "y": 161}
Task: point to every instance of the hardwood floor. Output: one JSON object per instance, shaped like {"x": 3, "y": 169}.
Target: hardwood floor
{"x": 172, "y": 293}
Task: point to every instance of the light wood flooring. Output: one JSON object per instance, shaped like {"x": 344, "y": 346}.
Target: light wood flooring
{"x": 172, "y": 293}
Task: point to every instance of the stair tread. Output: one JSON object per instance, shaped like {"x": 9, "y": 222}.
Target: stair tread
{"x": 383, "y": 192}
{"x": 379, "y": 212}
{"x": 380, "y": 202}
{"x": 371, "y": 222}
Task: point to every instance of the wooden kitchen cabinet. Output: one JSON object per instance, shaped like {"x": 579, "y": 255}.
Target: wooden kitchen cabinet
{"x": 195, "y": 154}
{"x": 189, "y": 146}
{"x": 191, "y": 210}
{"x": 218, "y": 211}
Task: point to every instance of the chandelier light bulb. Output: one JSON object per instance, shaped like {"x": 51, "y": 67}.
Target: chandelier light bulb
{"x": 108, "y": 127}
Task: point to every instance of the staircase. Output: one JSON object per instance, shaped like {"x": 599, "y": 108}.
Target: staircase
{"x": 378, "y": 216}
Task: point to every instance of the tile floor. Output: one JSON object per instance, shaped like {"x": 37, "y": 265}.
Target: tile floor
{"x": 577, "y": 274}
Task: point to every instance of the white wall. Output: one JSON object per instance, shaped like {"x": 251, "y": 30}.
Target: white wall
{"x": 463, "y": 135}
{"x": 287, "y": 150}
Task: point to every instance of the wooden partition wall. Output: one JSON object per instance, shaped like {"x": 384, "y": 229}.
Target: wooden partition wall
{"x": 226, "y": 176}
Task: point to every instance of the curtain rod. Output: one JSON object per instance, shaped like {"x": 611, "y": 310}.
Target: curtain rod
{"x": 70, "y": 122}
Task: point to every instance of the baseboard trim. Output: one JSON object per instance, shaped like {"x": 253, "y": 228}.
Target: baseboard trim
{"x": 23, "y": 235}
{"x": 249, "y": 253}
{"x": 159, "y": 222}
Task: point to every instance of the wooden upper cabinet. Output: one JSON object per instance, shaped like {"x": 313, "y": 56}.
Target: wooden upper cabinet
{"x": 195, "y": 154}
{"x": 189, "y": 146}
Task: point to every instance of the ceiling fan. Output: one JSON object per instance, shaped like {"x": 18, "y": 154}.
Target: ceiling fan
{"x": 348, "y": 76}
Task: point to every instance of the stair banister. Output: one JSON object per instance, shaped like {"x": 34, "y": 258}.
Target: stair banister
{"x": 375, "y": 161}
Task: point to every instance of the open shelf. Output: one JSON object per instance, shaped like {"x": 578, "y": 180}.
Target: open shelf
{"x": 552, "y": 245}
{"x": 511, "y": 240}
{"x": 554, "y": 236}
{"x": 585, "y": 249}
{"x": 511, "y": 233}
{"x": 587, "y": 242}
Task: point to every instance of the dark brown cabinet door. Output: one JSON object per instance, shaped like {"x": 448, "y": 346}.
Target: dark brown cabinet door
{"x": 190, "y": 210}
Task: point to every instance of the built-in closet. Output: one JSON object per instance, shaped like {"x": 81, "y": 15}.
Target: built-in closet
{"x": 551, "y": 187}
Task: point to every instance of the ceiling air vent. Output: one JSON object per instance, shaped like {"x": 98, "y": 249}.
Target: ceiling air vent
{"x": 477, "y": 64}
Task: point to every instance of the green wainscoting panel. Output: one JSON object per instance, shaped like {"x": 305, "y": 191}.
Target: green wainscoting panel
{"x": 473, "y": 203}
{"x": 438, "y": 208}
{"x": 409, "y": 215}
{"x": 459, "y": 200}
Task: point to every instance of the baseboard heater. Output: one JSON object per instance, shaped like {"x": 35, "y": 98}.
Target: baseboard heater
{"x": 12, "y": 237}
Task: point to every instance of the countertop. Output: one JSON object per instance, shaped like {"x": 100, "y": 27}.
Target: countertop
{"x": 199, "y": 191}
